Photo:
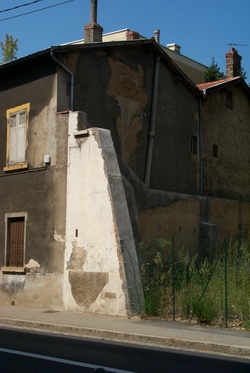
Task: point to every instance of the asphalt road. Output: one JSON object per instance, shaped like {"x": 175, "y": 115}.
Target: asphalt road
{"x": 26, "y": 351}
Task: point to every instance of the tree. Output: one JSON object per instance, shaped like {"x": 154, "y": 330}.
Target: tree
{"x": 9, "y": 48}
{"x": 243, "y": 73}
{"x": 213, "y": 72}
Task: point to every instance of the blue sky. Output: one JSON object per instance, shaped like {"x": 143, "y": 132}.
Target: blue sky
{"x": 203, "y": 28}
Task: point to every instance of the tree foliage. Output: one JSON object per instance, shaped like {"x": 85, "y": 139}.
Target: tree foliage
{"x": 243, "y": 73}
{"x": 9, "y": 48}
{"x": 213, "y": 72}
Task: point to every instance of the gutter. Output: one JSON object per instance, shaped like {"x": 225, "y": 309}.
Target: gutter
{"x": 64, "y": 67}
{"x": 152, "y": 122}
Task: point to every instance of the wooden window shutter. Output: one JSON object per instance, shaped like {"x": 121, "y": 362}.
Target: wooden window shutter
{"x": 12, "y": 139}
{"x": 17, "y": 138}
{"x": 16, "y": 242}
{"x": 21, "y": 139}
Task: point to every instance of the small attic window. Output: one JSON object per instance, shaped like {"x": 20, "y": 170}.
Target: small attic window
{"x": 229, "y": 99}
{"x": 215, "y": 151}
{"x": 193, "y": 144}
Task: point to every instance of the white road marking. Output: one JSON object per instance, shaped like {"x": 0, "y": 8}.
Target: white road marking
{"x": 64, "y": 361}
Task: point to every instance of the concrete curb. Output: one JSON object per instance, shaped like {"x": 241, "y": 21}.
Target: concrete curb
{"x": 241, "y": 351}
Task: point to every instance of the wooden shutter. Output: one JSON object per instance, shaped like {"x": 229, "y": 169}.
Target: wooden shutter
{"x": 16, "y": 242}
{"x": 21, "y": 137}
{"x": 12, "y": 139}
{"x": 17, "y": 138}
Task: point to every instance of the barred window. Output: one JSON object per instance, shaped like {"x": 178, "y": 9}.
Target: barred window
{"x": 15, "y": 241}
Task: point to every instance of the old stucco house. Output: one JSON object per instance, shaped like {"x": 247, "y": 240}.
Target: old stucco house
{"x": 225, "y": 147}
{"x": 102, "y": 145}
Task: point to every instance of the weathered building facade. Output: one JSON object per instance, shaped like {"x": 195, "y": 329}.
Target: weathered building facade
{"x": 225, "y": 139}
{"x": 101, "y": 145}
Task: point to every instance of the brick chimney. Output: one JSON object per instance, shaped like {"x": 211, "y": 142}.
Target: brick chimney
{"x": 233, "y": 63}
{"x": 93, "y": 31}
{"x": 132, "y": 35}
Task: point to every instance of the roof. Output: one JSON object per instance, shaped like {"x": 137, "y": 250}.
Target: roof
{"x": 216, "y": 83}
{"x": 210, "y": 86}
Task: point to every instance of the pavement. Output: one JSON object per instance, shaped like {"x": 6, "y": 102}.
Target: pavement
{"x": 152, "y": 332}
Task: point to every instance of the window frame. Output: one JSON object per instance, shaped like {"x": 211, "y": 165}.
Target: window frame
{"x": 229, "y": 99}
{"x": 10, "y": 112}
{"x": 215, "y": 151}
{"x": 7, "y": 220}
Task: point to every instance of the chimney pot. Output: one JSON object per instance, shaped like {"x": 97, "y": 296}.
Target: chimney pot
{"x": 93, "y": 11}
{"x": 132, "y": 35}
{"x": 157, "y": 36}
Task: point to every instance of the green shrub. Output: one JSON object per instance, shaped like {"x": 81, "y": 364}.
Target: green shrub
{"x": 195, "y": 286}
{"x": 204, "y": 310}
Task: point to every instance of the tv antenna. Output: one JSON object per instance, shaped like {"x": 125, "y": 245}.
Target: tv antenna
{"x": 235, "y": 44}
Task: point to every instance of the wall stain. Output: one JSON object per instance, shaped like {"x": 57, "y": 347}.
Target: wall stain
{"x": 126, "y": 86}
{"x": 86, "y": 286}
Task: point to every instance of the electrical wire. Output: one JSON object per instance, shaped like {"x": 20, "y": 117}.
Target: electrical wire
{"x": 38, "y": 10}
{"x": 20, "y": 6}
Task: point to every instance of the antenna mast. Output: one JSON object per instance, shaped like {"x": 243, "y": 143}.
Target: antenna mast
{"x": 235, "y": 44}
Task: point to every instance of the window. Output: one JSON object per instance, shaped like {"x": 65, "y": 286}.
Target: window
{"x": 215, "y": 151}
{"x": 17, "y": 126}
{"x": 15, "y": 241}
{"x": 229, "y": 99}
{"x": 193, "y": 145}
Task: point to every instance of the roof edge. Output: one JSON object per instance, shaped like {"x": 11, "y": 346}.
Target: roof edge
{"x": 224, "y": 82}
{"x": 66, "y": 48}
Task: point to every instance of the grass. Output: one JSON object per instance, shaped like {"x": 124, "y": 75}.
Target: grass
{"x": 191, "y": 288}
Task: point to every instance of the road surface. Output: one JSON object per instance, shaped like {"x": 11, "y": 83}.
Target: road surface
{"x": 29, "y": 351}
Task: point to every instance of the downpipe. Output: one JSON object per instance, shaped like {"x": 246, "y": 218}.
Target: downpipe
{"x": 64, "y": 67}
{"x": 152, "y": 122}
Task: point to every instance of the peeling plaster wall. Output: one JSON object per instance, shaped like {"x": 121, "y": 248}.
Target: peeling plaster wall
{"x": 116, "y": 95}
{"x": 94, "y": 277}
{"x": 126, "y": 86}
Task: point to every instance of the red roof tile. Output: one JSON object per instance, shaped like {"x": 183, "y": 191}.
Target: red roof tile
{"x": 215, "y": 83}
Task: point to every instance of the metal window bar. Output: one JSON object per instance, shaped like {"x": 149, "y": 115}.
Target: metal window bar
{"x": 16, "y": 242}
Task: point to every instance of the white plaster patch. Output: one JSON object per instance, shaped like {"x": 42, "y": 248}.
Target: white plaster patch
{"x": 58, "y": 237}
{"x": 32, "y": 264}
{"x": 90, "y": 221}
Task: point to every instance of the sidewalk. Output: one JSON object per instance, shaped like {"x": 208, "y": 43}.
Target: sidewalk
{"x": 134, "y": 330}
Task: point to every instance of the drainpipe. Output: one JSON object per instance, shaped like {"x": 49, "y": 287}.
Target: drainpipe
{"x": 152, "y": 121}
{"x": 200, "y": 147}
{"x": 71, "y": 78}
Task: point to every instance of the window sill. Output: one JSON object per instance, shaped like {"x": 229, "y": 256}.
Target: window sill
{"x": 82, "y": 133}
{"x": 16, "y": 167}
{"x": 13, "y": 269}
